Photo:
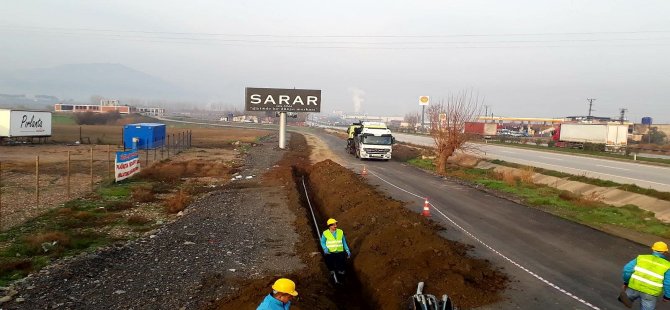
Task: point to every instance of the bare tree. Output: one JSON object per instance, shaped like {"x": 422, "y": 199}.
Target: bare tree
{"x": 447, "y": 124}
{"x": 412, "y": 119}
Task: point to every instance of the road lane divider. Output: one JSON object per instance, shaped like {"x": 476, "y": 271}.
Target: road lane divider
{"x": 528, "y": 271}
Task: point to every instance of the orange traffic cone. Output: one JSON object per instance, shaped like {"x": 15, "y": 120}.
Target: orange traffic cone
{"x": 426, "y": 208}
{"x": 365, "y": 171}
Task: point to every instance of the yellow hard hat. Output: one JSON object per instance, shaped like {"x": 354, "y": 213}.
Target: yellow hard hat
{"x": 331, "y": 222}
{"x": 660, "y": 246}
{"x": 284, "y": 285}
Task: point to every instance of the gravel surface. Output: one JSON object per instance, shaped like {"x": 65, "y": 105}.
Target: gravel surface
{"x": 243, "y": 231}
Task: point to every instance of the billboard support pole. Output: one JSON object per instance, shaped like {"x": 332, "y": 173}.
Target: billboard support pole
{"x": 282, "y": 130}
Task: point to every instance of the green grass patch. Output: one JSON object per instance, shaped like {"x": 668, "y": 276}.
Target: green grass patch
{"x": 63, "y": 119}
{"x": 561, "y": 203}
{"x": 426, "y": 164}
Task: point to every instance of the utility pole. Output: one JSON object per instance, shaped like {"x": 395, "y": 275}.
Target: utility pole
{"x": 590, "y": 105}
{"x": 486, "y": 112}
{"x": 623, "y": 113}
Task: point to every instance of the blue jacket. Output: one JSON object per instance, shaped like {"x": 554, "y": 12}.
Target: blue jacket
{"x": 344, "y": 243}
{"x": 271, "y": 303}
{"x": 630, "y": 267}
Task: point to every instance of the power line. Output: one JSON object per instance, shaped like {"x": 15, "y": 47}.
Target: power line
{"x": 342, "y": 36}
{"x": 357, "y": 44}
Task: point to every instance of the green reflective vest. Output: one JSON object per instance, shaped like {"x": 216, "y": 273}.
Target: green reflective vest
{"x": 648, "y": 274}
{"x": 333, "y": 244}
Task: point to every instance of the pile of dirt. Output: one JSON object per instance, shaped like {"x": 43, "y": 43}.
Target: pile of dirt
{"x": 394, "y": 249}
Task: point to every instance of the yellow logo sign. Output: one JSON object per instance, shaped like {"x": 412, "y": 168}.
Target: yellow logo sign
{"x": 423, "y": 100}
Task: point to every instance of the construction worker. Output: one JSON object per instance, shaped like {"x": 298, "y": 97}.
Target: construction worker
{"x": 647, "y": 277}
{"x": 283, "y": 291}
{"x": 335, "y": 246}
{"x": 351, "y": 132}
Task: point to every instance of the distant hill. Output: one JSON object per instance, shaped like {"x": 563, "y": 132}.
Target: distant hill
{"x": 81, "y": 81}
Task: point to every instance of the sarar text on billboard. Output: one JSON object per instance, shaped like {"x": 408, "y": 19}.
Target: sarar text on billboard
{"x": 282, "y": 100}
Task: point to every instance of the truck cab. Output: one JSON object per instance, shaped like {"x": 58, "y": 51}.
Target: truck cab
{"x": 373, "y": 140}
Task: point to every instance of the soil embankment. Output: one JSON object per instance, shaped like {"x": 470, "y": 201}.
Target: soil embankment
{"x": 394, "y": 248}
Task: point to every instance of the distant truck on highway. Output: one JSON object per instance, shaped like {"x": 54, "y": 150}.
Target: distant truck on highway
{"x": 484, "y": 130}
{"x": 370, "y": 140}
{"x": 613, "y": 136}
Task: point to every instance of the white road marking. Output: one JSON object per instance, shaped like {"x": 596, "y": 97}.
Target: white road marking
{"x": 613, "y": 167}
{"x": 535, "y": 275}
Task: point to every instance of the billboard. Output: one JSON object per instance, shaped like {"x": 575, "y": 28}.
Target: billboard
{"x": 126, "y": 164}
{"x": 282, "y": 100}
{"x": 20, "y": 123}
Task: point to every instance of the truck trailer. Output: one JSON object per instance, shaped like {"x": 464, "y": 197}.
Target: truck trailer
{"x": 370, "y": 140}
{"x": 612, "y": 136}
{"x": 24, "y": 123}
{"x": 484, "y": 130}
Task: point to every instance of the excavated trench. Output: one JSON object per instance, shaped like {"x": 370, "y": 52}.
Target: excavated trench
{"x": 392, "y": 248}
{"x": 349, "y": 294}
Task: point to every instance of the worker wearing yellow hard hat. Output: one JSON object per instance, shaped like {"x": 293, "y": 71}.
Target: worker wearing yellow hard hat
{"x": 283, "y": 291}
{"x": 335, "y": 247}
{"x": 646, "y": 278}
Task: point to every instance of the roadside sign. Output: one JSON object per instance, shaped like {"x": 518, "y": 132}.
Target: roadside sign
{"x": 282, "y": 100}
{"x": 126, "y": 164}
{"x": 424, "y": 100}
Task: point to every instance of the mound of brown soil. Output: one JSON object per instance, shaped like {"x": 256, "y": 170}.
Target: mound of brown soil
{"x": 394, "y": 249}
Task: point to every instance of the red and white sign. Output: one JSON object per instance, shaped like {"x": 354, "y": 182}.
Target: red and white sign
{"x": 126, "y": 164}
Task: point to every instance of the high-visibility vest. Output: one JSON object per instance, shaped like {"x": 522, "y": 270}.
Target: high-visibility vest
{"x": 648, "y": 275}
{"x": 333, "y": 244}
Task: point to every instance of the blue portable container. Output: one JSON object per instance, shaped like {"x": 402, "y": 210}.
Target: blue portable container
{"x": 147, "y": 135}
{"x": 646, "y": 120}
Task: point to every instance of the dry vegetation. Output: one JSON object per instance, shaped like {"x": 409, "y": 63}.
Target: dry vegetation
{"x": 177, "y": 202}
{"x": 111, "y": 211}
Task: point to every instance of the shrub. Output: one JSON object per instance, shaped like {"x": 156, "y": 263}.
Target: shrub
{"x": 143, "y": 194}
{"x": 527, "y": 174}
{"x": 83, "y": 215}
{"x": 506, "y": 176}
{"x": 177, "y": 202}
{"x": 90, "y": 118}
{"x": 53, "y": 241}
{"x": 568, "y": 196}
{"x": 118, "y": 205}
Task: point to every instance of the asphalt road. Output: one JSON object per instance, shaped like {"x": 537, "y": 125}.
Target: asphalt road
{"x": 582, "y": 261}
{"x": 646, "y": 176}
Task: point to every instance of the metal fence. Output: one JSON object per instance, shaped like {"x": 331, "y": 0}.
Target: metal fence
{"x": 30, "y": 184}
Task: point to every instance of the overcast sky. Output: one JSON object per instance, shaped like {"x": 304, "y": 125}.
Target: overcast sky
{"x": 527, "y": 58}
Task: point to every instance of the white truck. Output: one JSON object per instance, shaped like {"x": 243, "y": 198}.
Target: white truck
{"x": 371, "y": 140}
{"x": 24, "y": 123}
{"x": 613, "y": 136}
